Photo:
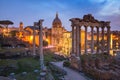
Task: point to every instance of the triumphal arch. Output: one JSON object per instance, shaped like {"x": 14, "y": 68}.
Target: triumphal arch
{"x": 89, "y": 21}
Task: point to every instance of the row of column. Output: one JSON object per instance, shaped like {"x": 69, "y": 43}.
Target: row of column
{"x": 76, "y": 39}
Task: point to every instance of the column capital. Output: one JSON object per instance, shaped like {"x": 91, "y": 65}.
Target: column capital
{"x": 103, "y": 27}
{"x": 97, "y": 26}
{"x": 80, "y": 26}
{"x": 91, "y": 26}
{"x": 85, "y": 26}
{"x": 35, "y": 24}
{"x": 72, "y": 25}
{"x": 108, "y": 27}
{"x": 40, "y": 22}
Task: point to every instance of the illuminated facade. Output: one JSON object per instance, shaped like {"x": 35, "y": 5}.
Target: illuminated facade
{"x": 66, "y": 43}
{"x": 57, "y": 33}
{"x": 7, "y": 31}
{"x": 115, "y": 40}
{"x": 60, "y": 38}
{"x": 52, "y": 35}
{"x": 27, "y": 34}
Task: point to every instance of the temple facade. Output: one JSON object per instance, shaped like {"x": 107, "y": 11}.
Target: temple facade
{"x": 88, "y": 21}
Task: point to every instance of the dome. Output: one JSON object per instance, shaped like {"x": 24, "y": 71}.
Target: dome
{"x": 56, "y": 20}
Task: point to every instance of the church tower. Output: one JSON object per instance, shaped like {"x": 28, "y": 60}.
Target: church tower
{"x": 21, "y": 26}
{"x": 57, "y": 22}
{"x": 57, "y": 32}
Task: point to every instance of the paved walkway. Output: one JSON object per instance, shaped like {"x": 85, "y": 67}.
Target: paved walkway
{"x": 71, "y": 74}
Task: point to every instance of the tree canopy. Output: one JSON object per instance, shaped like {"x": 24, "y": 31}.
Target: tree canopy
{"x": 6, "y": 22}
{"x": 45, "y": 43}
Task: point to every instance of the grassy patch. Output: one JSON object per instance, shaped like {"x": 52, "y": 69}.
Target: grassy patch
{"x": 8, "y": 62}
{"x": 12, "y": 50}
{"x": 29, "y": 76}
{"x": 27, "y": 64}
{"x": 18, "y": 66}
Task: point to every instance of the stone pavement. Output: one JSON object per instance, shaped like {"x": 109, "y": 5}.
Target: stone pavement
{"x": 71, "y": 74}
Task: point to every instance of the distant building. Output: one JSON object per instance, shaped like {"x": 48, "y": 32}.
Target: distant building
{"x": 115, "y": 41}
{"x": 52, "y": 35}
{"x": 8, "y": 32}
{"x": 66, "y": 43}
{"x": 26, "y": 34}
{"x": 57, "y": 33}
{"x": 60, "y": 38}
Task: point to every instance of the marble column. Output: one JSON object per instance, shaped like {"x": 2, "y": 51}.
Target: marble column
{"x": 85, "y": 39}
{"x": 72, "y": 39}
{"x": 78, "y": 40}
{"x": 34, "y": 33}
{"x": 92, "y": 39}
{"x": 103, "y": 39}
{"x": 75, "y": 40}
{"x": 41, "y": 44}
{"x": 97, "y": 40}
{"x": 108, "y": 39}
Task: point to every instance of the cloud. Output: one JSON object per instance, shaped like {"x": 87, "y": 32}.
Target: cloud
{"x": 112, "y": 7}
{"x": 97, "y": 1}
{"x": 115, "y": 21}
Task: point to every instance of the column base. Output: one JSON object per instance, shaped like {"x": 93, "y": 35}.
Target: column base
{"x": 42, "y": 76}
{"x": 75, "y": 62}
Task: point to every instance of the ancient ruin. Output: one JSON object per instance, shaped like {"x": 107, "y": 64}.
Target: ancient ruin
{"x": 100, "y": 65}
{"x": 89, "y": 21}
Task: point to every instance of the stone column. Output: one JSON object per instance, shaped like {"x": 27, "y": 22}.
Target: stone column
{"x": 92, "y": 39}
{"x": 102, "y": 39}
{"x": 72, "y": 39}
{"x": 34, "y": 33}
{"x": 75, "y": 40}
{"x": 85, "y": 39}
{"x": 78, "y": 40}
{"x": 108, "y": 39}
{"x": 97, "y": 39}
{"x": 43, "y": 76}
{"x": 41, "y": 45}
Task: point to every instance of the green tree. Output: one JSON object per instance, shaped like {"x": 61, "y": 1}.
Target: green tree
{"x": 6, "y": 23}
{"x": 45, "y": 43}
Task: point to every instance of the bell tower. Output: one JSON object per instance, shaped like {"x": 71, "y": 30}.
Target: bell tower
{"x": 21, "y": 26}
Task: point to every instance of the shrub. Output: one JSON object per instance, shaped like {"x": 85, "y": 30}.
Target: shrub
{"x": 66, "y": 63}
{"x": 27, "y": 64}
